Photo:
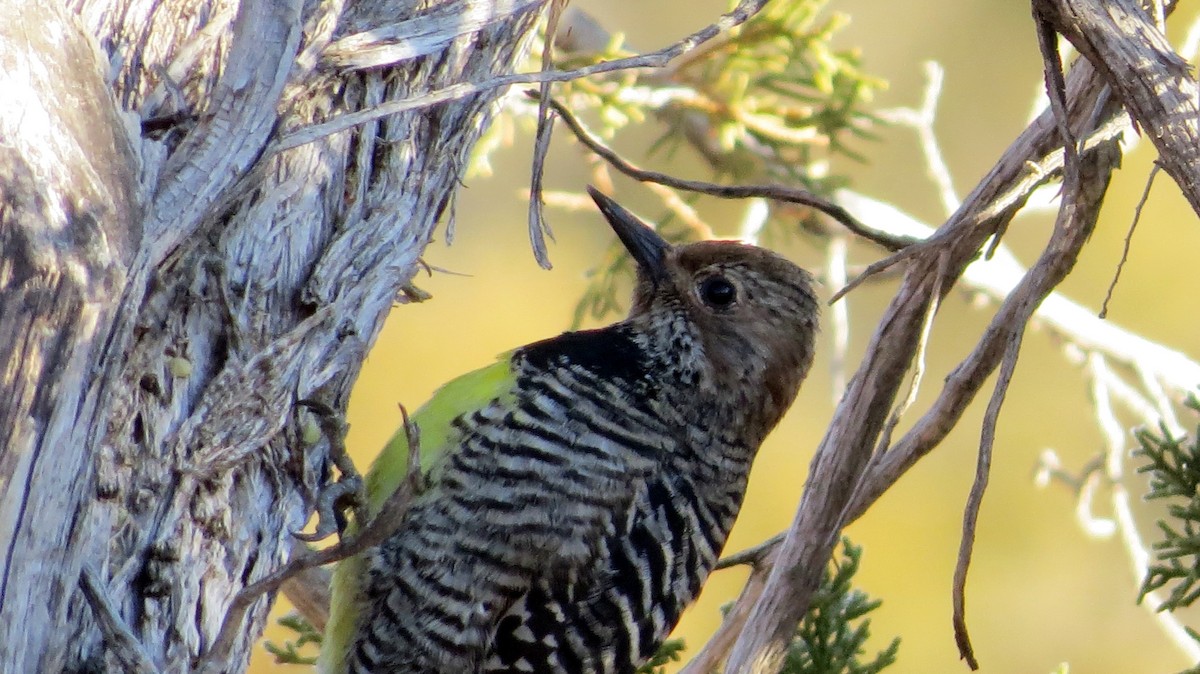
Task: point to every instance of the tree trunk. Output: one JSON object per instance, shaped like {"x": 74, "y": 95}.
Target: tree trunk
{"x": 172, "y": 282}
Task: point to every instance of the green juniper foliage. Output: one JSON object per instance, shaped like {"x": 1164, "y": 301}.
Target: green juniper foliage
{"x": 1173, "y": 465}
{"x": 781, "y": 99}
{"x": 773, "y": 101}
{"x": 833, "y": 634}
{"x": 294, "y": 651}
{"x": 670, "y": 651}
{"x": 774, "y": 98}
{"x": 827, "y": 640}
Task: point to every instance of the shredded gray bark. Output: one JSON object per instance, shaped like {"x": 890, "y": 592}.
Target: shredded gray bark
{"x": 169, "y": 288}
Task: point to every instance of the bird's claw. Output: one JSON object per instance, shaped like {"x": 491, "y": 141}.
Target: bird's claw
{"x": 332, "y": 504}
{"x": 348, "y": 492}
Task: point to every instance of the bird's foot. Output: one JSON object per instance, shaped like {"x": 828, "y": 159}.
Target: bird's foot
{"x": 348, "y": 492}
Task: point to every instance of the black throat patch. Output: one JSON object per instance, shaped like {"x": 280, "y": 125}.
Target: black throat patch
{"x": 609, "y": 353}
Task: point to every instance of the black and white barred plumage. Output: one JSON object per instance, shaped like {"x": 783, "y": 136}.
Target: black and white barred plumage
{"x": 577, "y": 513}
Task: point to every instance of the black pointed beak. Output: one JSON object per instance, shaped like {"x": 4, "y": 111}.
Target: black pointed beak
{"x": 643, "y": 243}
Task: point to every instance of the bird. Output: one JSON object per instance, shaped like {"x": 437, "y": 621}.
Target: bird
{"x": 581, "y": 488}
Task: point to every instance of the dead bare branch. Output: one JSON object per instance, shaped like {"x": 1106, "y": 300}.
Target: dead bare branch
{"x": 658, "y": 59}
{"x": 843, "y": 456}
{"x": 1153, "y": 82}
{"x": 774, "y": 192}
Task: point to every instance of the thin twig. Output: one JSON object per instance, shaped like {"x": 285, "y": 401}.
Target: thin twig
{"x": 983, "y": 469}
{"x": 766, "y": 191}
{"x": 752, "y": 555}
{"x": 914, "y": 386}
{"x": 1056, "y": 85}
{"x": 728, "y": 21}
{"x": 921, "y": 120}
{"x": 1056, "y": 89}
{"x": 839, "y": 313}
{"x": 538, "y": 227}
{"x": 1137, "y": 217}
{"x": 1070, "y": 212}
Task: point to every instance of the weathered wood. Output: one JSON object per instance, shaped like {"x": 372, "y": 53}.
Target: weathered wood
{"x": 848, "y": 474}
{"x": 69, "y": 226}
{"x": 1154, "y": 83}
{"x": 170, "y": 286}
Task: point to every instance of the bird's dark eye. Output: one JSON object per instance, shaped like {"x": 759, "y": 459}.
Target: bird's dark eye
{"x": 718, "y": 292}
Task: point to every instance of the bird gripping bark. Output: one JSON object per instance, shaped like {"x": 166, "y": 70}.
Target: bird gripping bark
{"x": 585, "y": 484}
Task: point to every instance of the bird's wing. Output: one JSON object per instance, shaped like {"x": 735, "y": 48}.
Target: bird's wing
{"x": 461, "y": 396}
{"x": 535, "y": 473}
{"x": 435, "y": 419}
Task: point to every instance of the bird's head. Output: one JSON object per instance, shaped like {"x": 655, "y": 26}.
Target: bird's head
{"x": 740, "y": 317}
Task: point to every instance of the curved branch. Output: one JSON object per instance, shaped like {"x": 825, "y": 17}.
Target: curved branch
{"x": 1155, "y": 84}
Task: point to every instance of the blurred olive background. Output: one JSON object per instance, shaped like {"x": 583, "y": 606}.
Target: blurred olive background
{"x": 1040, "y": 592}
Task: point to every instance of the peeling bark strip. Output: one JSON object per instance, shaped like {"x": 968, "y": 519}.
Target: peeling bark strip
{"x": 1155, "y": 84}
{"x": 169, "y": 288}
{"x": 68, "y": 226}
